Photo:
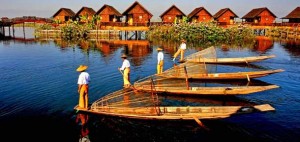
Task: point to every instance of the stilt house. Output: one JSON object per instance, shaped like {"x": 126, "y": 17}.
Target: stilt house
{"x": 294, "y": 16}
{"x": 136, "y": 14}
{"x": 200, "y": 14}
{"x": 171, "y": 15}
{"x": 259, "y": 16}
{"x": 225, "y": 16}
{"x": 108, "y": 13}
{"x": 85, "y": 14}
{"x": 63, "y": 15}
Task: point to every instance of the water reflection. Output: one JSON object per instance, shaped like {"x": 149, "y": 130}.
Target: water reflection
{"x": 292, "y": 46}
{"x": 263, "y": 44}
{"x": 82, "y": 121}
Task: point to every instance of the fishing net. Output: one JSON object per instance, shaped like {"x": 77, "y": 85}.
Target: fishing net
{"x": 127, "y": 98}
{"x": 203, "y": 55}
{"x": 188, "y": 70}
{"x": 128, "y": 102}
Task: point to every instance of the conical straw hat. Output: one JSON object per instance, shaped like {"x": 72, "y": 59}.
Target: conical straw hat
{"x": 82, "y": 68}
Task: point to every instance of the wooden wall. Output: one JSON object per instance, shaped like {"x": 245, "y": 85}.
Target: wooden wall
{"x": 170, "y": 16}
{"x": 225, "y": 18}
{"x": 266, "y": 17}
{"x": 138, "y": 15}
{"x": 203, "y": 16}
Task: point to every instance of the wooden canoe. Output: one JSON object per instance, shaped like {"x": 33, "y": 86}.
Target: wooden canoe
{"x": 209, "y": 56}
{"x": 177, "y": 113}
{"x": 226, "y": 91}
{"x": 237, "y": 60}
{"x": 140, "y": 105}
{"x": 218, "y": 76}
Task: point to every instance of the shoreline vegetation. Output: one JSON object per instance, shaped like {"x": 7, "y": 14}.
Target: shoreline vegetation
{"x": 208, "y": 33}
{"x": 204, "y": 33}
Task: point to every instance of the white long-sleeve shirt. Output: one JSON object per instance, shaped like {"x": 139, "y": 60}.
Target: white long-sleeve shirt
{"x": 84, "y": 78}
{"x": 182, "y": 46}
{"x": 125, "y": 64}
{"x": 160, "y": 57}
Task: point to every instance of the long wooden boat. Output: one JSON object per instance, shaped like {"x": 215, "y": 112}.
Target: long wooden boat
{"x": 174, "y": 112}
{"x": 184, "y": 87}
{"x": 218, "y": 76}
{"x": 236, "y": 60}
{"x": 143, "y": 105}
{"x": 209, "y": 72}
{"x": 209, "y": 56}
{"x": 198, "y": 91}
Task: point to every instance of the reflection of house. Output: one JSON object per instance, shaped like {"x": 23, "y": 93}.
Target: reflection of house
{"x": 263, "y": 43}
{"x": 85, "y": 14}
{"x": 292, "y": 46}
{"x": 109, "y": 14}
{"x": 225, "y": 16}
{"x": 138, "y": 52}
{"x": 137, "y": 14}
{"x": 200, "y": 14}
{"x": 259, "y": 16}
{"x": 107, "y": 48}
{"x": 172, "y": 14}
{"x": 63, "y": 15}
{"x": 294, "y": 16}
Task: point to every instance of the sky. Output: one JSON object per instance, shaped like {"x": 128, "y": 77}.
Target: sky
{"x": 47, "y": 8}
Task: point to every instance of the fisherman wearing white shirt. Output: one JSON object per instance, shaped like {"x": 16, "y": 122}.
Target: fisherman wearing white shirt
{"x": 160, "y": 60}
{"x": 181, "y": 50}
{"x": 126, "y": 68}
{"x": 83, "y": 86}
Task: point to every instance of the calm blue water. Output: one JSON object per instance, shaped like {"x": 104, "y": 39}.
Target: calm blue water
{"x": 39, "y": 90}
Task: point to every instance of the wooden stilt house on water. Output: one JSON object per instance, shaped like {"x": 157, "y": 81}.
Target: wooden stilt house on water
{"x": 259, "y": 16}
{"x": 137, "y": 15}
{"x": 63, "y": 15}
{"x": 200, "y": 14}
{"x": 85, "y": 14}
{"x": 171, "y": 15}
{"x": 294, "y": 16}
{"x": 225, "y": 16}
{"x": 108, "y": 13}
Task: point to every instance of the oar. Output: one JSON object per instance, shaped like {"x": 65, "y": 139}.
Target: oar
{"x": 121, "y": 72}
{"x": 200, "y": 123}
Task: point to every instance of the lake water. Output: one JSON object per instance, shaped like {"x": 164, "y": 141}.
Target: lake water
{"x": 39, "y": 90}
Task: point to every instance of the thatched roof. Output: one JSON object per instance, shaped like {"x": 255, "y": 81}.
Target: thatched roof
{"x": 255, "y": 13}
{"x": 173, "y": 6}
{"x": 295, "y": 14}
{"x": 196, "y": 11}
{"x": 67, "y": 10}
{"x": 133, "y": 5}
{"x": 112, "y": 9}
{"x": 222, "y": 11}
{"x": 90, "y": 11}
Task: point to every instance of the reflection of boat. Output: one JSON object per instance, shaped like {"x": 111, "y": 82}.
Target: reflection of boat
{"x": 129, "y": 103}
{"x": 184, "y": 87}
{"x": 209, "y": 56}
{"x": 198, "y": 71}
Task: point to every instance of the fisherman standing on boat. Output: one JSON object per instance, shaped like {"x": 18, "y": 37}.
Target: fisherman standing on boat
{"x": 160, "y": 60}
{"x": 180, "y": 50}
{"x": 83, "y": 86}
{"x": 126, "y": 69}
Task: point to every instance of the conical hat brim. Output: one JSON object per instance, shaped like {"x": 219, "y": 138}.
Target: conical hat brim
{"x": 82, "y": 68}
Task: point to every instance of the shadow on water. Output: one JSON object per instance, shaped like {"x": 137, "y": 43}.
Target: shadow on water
{"x": 105, "y": 128}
